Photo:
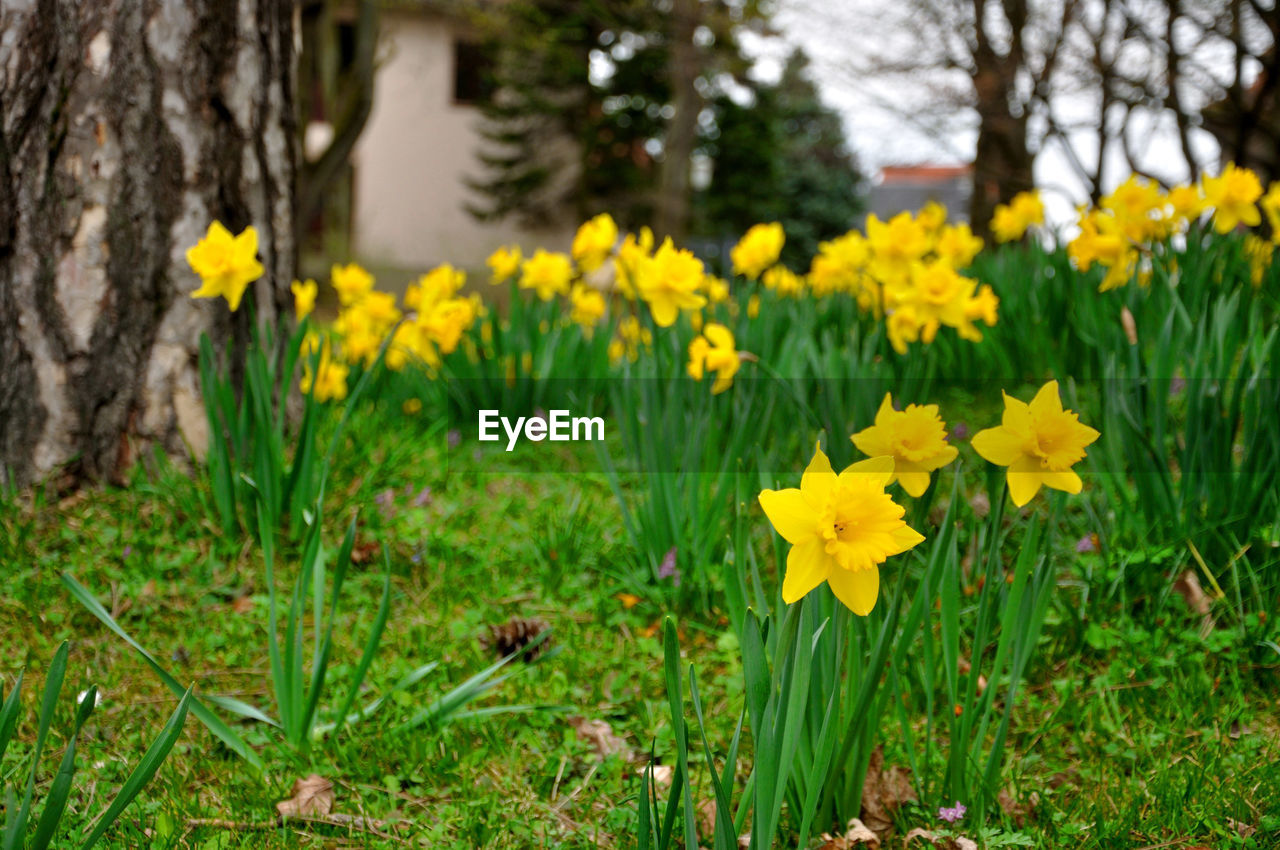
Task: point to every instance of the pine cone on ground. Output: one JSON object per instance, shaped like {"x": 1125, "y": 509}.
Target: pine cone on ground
{"x": 515, "y": 635}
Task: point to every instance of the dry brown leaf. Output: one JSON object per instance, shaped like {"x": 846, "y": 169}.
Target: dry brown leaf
{"x": 242, "y": 604}
{"x": 364, "y": 552}
{"x": 1016, "y": 810}
{"x": 1188, "y": 587}
{"x": 1241, "y": 829}
{"x": 980, "y": 504}
{"x": 883, "y": 792}
{"x": 856, "y": 835}
{"x": 600, "y": 736}
{"x": 312, "y": 796}
{"x": 964, "y": 667}
{"x": 662, "y": 775}
{"x": 922, "y": 834}
{"x": 707, "y": 819}
{"x": 963, "y": 843}
{"x": 1064, "y": 777}
{"x": 1130, "y": 326}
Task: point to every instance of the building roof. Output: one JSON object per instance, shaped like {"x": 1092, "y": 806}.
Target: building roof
{"x": 924, "y": 173}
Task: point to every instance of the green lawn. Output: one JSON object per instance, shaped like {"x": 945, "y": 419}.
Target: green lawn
{"x": 1143, "y": 725}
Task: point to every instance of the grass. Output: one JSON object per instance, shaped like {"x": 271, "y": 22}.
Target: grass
{"x": 1141, "y": 724}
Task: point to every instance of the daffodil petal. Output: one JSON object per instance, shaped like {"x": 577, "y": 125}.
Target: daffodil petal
{"x": 819, "y": 478}
{"x": 879, "y": 470}
{"x": 1066, "y": 480}
{"x": 1024, "y": 480}
{"x": 942, "y": 458}
{"x": 1047, "y": 401}
{"x": 790, "y": 514}
{"x": 872, "y": 441}
{"x": 886, "y": 410}
{"x": 664, "y": 312}
{"x": 915, "y": 482}
{"x": 857, "y": 589}
{"x": 998, "y": 445}
{"x": 905, "y": 537}
{"x": 808, "y": 566}
{"x": 1017, "y": 415}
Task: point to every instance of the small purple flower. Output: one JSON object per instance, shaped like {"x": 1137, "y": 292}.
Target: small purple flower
{"x": 423, "y": 498}
{"x": 386, "y": 502}
{"x": 959, "y": 431}
{"x": 668, "y": 569}
{"x": 1177, "y": 385}
{"x": 1087, "y": 544}
{"x": 128, "y": 550}
{"x": 952, "y": 814}
{"x": 455, "y": 438}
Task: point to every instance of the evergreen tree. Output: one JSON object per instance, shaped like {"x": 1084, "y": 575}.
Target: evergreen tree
{"x": 784, "y": 157}
{"x": 566, "y": 143}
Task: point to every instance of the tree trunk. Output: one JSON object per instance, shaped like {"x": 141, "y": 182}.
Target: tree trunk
{"x": 682, "y": 130}
{"x": 126, "y": 127}
{"x": 1002, "y": 162}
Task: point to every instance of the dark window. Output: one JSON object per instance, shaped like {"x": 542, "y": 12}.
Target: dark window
{"x": 472, "y": 73}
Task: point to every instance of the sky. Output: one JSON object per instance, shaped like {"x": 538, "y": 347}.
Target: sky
{"x": 881, "y": 136}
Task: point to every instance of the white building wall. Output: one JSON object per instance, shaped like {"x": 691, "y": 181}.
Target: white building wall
{"x": 414, "y": 155}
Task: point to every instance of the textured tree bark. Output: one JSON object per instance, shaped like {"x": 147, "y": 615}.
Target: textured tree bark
{"x": 126, "y": 126}
{"x": 1002, "y": 162}
{"x": 674, "y": 198}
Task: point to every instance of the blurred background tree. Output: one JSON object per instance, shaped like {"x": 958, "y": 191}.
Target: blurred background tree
{"x": 336, "y": 71}
{"x": 1164, "y": 88}
{"x": 601, "y": 106}
{"x": 779, "y": 156}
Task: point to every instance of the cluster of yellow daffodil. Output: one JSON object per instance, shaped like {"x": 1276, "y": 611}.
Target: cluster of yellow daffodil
{"x": 907, "y": 270}
{"x": 667, "y": 280}
{"x": 1011, "y": 221}
{"x": 1129, "y": 225}
{"x": 428, "y": 325}
{"x": 842, "y": 527}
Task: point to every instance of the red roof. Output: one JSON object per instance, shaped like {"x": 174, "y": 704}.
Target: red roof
{"x": 923, "y": 173}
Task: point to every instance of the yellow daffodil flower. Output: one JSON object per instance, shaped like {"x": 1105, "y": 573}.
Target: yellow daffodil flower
{"x": 1039, "y": 442}
{"x": 226, "y": 264}
{"x": 841, "y": 528}
{"x": 1011, "y": 221}
{"x": 330, "y": 379}
{"x": 547, "y": 273}
{"x": 916, "y": 439}
{"x": 304, "y": 297}
{"x": 783, "y": 281}
{"x": 1259, "y": 252}
{"x": 588, "y": 306}
{"x": 1233, "y": 195}
{"x": 504, "y": 263}
{"x": 593, "y": 242}
{"x": 714, "y": 350}
{"x": 1270, "y": 204}
{"x": 351, "y": 282}
{"x": 957, "y": 245}
{"x": 758, "y": 249}
{"x": 669, "y": 282}
{"x": 1185, "y": 203}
